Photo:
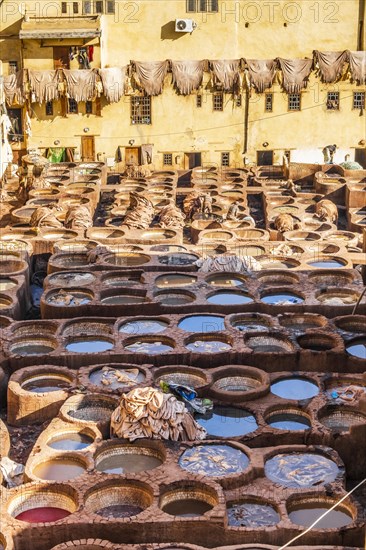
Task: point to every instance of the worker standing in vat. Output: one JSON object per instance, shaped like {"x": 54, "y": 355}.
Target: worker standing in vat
{"x": 328, "y": 152}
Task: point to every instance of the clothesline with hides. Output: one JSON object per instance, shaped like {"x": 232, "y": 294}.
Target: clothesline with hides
{"x": 148, "y": 77}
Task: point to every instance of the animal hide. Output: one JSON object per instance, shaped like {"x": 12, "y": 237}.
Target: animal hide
{"x": 113, "y": 80}
{"x": 171, "y": 216}
{"x": 284, "y": 222}
{"x": 187, "y": 75}
{"x": 44, "y": 85}
{"x": 78, "y": 217}
{"x": 150, "y": 75}
{"x": 14, "y": 88}
{"x": 261, "y": 73}
{"x": 140, "y": 213}
{"x": 357, "y": 65}
{"x": 295, "y": 73}
{"x": 326, "y": 210}
{"x": 226, "y": 71}
{"x": 45, "y": 217}
{"x": 81, "y": 83}
{"x": 330, "y": 65}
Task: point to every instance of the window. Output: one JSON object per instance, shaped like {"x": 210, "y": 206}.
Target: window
{"x": 73, "y": 107}
{"x": 167, "y": 159}
{"x": 66, "y": 7}
{"x": 110, "y": 6}
{"x": 63, "y": 7}
{"x": 218, "y": 101}
{"x": 87, "y": 7}
{"x": 294, "y": 102}
{"x": 141, "y": 110}
{"x": 198, "y": 101}
{"x": 13, "y": 67}
{"x": 49, "y": 108}
{"x": 193, "y": 6}
{"x": 359, "y": 100}
{"x": 333, "y": 101}
{"x": 99, "y": 6}
{"x": 225, "y": 159}
{"x": 238, "y": 101}
{"x": 89, "y": 107}
{"x": 75, "y": 7}
{"x": 268, "y": 103}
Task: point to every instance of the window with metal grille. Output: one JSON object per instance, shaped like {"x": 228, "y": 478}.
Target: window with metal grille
{"x": 63, "y": 7}
{"x": 359, "y": 100}
{"x": 268, "y": 103}
{"x": 167, "y": 159}
{"x": 75, "y": 7}
{"x": 225, "y": 159}
{"x": 72, "y": 106}
{"x": 89, "y": 107}
{"x": 210, "y": 6}
{"x": 332, "y": 101}
{"x": 13, "y": 67}
{"x": 99, "y": 6}
{"x": 49, "y": 108}
{"x": 140, "y": 110}
{"x": 198, "y": 101}
{"x": 294, "y": 102}
{"x": 110, "y": 6}
{"x": 218, "y": 101}
{"x": 87, "y": 7}
{"x": 238, "y": 101}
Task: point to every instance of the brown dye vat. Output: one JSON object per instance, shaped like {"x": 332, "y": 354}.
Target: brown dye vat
{"x": 188, "y": 376}
{"x": 306, "y": 510}
{"x": 92, "y": 410}
{"x": 317, "y": 342}
{"x": 251, "y": 322}
{"x": 12, "y": 267}
{"x": 341, "y": 419}
{"x": 188, "y": 501}
{"x": 122, "y": 458}
{"x": 277, "y": 278}
{"x": 127, "y": 259}
{"x": 337, "y": 297}
{"x": 331, "y": 278}
{"x": 60, "y": 468}
{"x": 268, "y": 343}
{"x": 71, "y": 278}
{"x": 118, "y": 499}
{"x": 293, "y": 321}
{"x": 174, "y": 297}
{"x": 277, "y": 262}
{"x": 354, "y": 323}
{"x": 33, "y": 345}
{"x": 301, "y": 236}
{"x": 116, "y": 377}
{"x": 175, "y": 280}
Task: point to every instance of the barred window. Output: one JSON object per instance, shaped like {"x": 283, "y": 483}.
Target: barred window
{"x": 225, "y": 159}
{"x": 110, "y": 6}
{"x": 294, "y": 102}
{"x": 238, "y": 101}
{"x": 268, "y": 103}
{"x": 73, "y": 107}
{"x": 13, "y": 67}
{"x": 167, "y": 159}
{"x": 99, "y": 6}
{"x": 359, "y": 100}
{"x": 63, "y": 7}
{"x": 89, "y": 107}
{"x": 208, "y": 6}
{"x": 49, "y": 108}
{"x": 218, "y": 101}
{"x": 198, "y": 101}
{"x": 333, "y": 101}
{"x": 87, "y": 7}
{"x": 75, "y": 7}
{"x": 140, "y": 110}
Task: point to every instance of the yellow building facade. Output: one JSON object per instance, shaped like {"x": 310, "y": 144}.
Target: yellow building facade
{"x": 207, "y": 126}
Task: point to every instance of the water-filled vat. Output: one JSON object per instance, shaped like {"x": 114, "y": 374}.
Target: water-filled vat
{"x": 71, "y": 278}
{"x": 306, "y": 511}
{"x": 46, "y": 383}
{"x": 302, "y": 322}
{"x": 174, "y": 297}
{"x": 253, "y": 514}
{"x": 213, "y": 460}
{"x": 70, "y": 441}
{"x": 69, "y": 298}
{"x": 226, "y": 298}
{"x": 144, "y": 326}
{"x": 33, "y": 345}
{"x": 226, "y": 280}
{"x": 327, "y": 263}
{"x": 175, "y": 280}
{"x": 207, "y": 343}
{"x": 85, "y": 409}
{"x": 341, "y": 419}
{"x": 183, "y": 258}
{"x": 61, "y": 468}
{"x": 115, "y": 376}
{"x": 357, "y": 348}
{"x": 187, "y": 376}
{"x": 122, "y": 280}
{"x": 352, "y": 323}
{"x": 43, "y": 514}
{"x": 268, "y": 343}
{"x": 150, "y": 346}
{"x": 128, "y": 458}
{"x": 89, "y": 344}
{"x": 281, "y": 298}
{"x": 250, "y": 322}
{"x": 317, "y": 341}
{"x": 188, "y": 500}
{"x": 127, "y": 259}
{"x": 202, "y": 323}
{"x": 6, "y": 283}
{"x": 294, "y": 387}
{"x": 337, "y": 297}
{"x": 288, "y": 419}
{"x": 227, "y": 422}
{"x": 300, "y": 469}
{"x": 123, "y": 299}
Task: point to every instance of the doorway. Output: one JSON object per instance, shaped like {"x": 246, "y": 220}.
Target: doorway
{"x": 61, "y": 59}
{"x": 87, "y": 148}
{"x": 360, "y": 157}
{"x": 264, "y": 158}
{"x": 192, "y": 160}
{"x": 133, "y": 156}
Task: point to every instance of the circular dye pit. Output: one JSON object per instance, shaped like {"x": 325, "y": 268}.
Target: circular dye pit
{"x": 89, "y": 345}
{"x": 7, "y": 284}
{"x": 128, "y": 259}
{"x": 119, "y": 511}
{"x": 327, "y": 264}
{"x": 69, "y": 298}
{"x": 300, "y": 470}
{"x": 114, "y": 378}
{"x": 277, "y": 263}
{"x": 268, "y": 344}
{"x": 316, "y": 342}
{"x": 236, "y": 384}
{"x": 127, "y": 460}
{"x": 46, "y": 383}
{"x": 175, "y": 280}
{"x": 43, "y": 514}
{"x": 250, "y": 323}
{"x": 60, "y": 469}
{"x": 71, "y": 279}
{"x": 187, "y": 508}
{"x": 202, "y": 323}
{"x": 70, "y": 441}
{"x": 143, "y": 326}
{"x": 178, "y": 298}
{"x": 119, "y": 500}
{"x": 121, "y": 280}
{"x": 149, "y": 347}
{"x": 207, "y": 346}
{"x": 227, "y": 280}
{"x": 253, "y": 515}
{"x": 33, "y": 346}
{"x": 213, "y": 460}
{"x": 281, "y": 298}
{"x": 338, "y": 298}
{"x": 178, "y": 259}
{"x": 227, "y": 422}
{"x": 295, "y": 388}
{"x": 341, "y": 420}
{"x": 227, "y": 298}
{"x": 191, "y": 377}
{"x": 291, "y": 420}
{"x": 306, "y": 513}
{"x": 301, "y": 322}
{"x": 167, "y": 248}
{"x": 357, "y": 348}
{"x": 122, "y": 299}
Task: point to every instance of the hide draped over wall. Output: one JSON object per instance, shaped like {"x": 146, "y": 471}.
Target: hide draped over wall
{"x": 357, "y": 65}
{"x": 81, "y": 84}
{"x": 226, "y": 71}
{"x": 150, "y": 75}
{"x": 14, "y": 88}
{"x": 261, "y": 73}
{"x": 187, "y": 75}
{"x": 295, "y": 73}
{"x": 44, "y": 85}
{"x": 330, "y": 65}
{"x": 113, "y": 80}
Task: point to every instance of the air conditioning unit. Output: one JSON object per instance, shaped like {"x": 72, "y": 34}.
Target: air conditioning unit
{"x": 185, "y": 25}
